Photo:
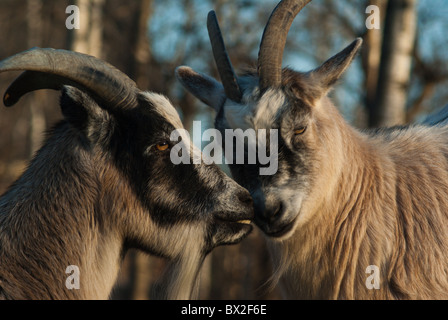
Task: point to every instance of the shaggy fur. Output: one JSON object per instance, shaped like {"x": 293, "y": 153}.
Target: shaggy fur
{"x": 382, "y": 202}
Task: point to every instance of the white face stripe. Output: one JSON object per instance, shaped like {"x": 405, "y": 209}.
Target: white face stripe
{"x": 238, "y": 115}
{"x": 253, "y": 113}
{"x": 268, "y": 108}
{"x": 163, "y": 106}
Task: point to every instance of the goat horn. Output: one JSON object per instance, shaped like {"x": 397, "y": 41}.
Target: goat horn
{"x": 225, "y": 69}
{"x": 274, "y": 40}
{"x": 52, "y": 69}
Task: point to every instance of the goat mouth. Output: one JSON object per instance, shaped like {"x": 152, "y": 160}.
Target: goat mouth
{"x": 227, "y": 231}
{"x": 231, "y": 227}
{"x": 277, "y": 231}
{"x": 244, "y": 222}
{"x": 237, "y": 224}
{"x": 241, "y": 217}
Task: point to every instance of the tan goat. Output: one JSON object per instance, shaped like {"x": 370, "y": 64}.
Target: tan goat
{"x": 349, "y": 214}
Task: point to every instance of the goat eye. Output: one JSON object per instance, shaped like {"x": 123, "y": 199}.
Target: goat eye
{"x": 299, "y": 131}
{"x": 162, "y": 146}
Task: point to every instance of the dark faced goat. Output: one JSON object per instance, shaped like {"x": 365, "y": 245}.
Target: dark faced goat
{"x": 102, "y": 183}
{"x": 349, "y": 214}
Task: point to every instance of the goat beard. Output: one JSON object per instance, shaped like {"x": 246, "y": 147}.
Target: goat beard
{"x": 180, "y": 280}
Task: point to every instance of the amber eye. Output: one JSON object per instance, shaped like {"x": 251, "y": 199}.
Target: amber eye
{"x": 162, "y": 146}
{"x": 300, "y": 131}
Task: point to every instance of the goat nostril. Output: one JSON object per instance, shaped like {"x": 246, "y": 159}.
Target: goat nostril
{"x": 245, "y": 198}
{"x": 276, "y": 212}
{"x": 279, "y": 211}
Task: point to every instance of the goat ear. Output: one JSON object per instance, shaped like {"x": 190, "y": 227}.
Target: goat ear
{"x": 203, "y": 87}
{"x": 79, "y": 109}
{"x": 331, "y": 70}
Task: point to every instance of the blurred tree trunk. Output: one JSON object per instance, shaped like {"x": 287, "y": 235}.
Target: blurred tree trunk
{"x": 139, "y": 60}
{"x": 371, "y": 55}
{"x": 89, "y": 37}
{"x": 36, "y": 113}
{"x": 141, "y": 50}
{"x": 126, "y": 46}
{"x": 395, "y": 69}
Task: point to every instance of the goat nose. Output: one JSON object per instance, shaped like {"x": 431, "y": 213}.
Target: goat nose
{"x": 245, "y": 198}
{"x": 273, "y": 211}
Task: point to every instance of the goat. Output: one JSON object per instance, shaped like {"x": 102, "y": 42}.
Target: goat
{"x": 343, "y": 200}
{"x": 102, "y": 183}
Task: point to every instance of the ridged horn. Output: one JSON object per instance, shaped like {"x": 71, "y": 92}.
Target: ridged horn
{"x": 225, "y": 69}
{"x": 52, "y": 69}
{"x": 273, "y": 42}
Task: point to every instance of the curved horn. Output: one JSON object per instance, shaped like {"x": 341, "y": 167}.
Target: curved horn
{"x": 52, "y": 69}
{"x": 30, "y": 81}
{"x": 225, "y": 69}
{"x": 273, "y": 42}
